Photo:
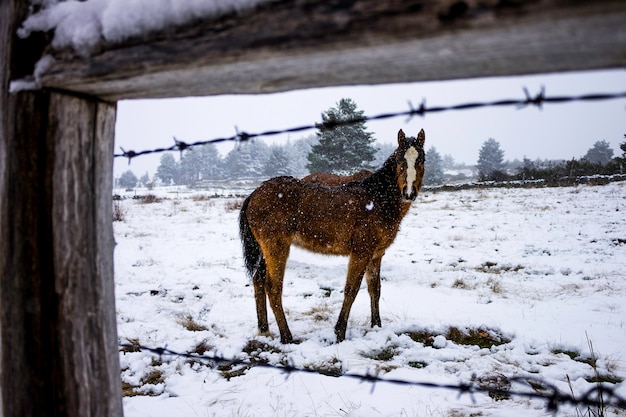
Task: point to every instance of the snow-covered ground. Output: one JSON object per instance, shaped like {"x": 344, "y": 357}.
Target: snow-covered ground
{"x": 542, "y": 270}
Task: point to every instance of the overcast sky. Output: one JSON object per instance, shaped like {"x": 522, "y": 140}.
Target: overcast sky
{"x": 558, "y": 131}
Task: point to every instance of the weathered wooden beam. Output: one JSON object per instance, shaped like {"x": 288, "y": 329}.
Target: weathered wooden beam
{"x": 58, "y": 336}
{"x": 301, "y": 44}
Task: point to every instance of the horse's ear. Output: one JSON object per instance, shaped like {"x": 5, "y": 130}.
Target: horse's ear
{"x": 401, "y": 137}
{"x": 421, "y": 137}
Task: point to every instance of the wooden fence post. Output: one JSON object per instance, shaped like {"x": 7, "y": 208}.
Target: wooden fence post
{"x": 57, "y": 309}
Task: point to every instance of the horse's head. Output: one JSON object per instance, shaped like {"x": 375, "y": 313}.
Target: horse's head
{"x": 410, "y": 158}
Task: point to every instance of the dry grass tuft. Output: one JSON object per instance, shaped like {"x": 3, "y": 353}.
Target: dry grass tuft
{"x": 233, "y": 205}
{"x": 481, "y": 337}
{"x": 189, "y": 323}
{"x": 149, "y": 199}
{"x": 119, "y": 213}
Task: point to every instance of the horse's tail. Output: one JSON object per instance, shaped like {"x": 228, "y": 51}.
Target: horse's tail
{"x": 252, "y": 255}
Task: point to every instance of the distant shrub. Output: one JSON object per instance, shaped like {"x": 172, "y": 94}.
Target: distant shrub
{"x": 118, "y": 211}
{"x": 149, "y": 199}
{"x": 232, "y": 205}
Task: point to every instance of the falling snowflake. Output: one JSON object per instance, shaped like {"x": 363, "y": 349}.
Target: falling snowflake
{"x": 369, "y": 206}
{"x": 280, "y": 195}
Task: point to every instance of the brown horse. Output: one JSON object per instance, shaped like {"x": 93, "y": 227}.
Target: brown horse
{"x": 372, "y": 272}
{"x": 360, "y": 219}
{"x": 336, "y": 180}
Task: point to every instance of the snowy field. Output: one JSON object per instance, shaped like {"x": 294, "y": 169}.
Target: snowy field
{"x": 534, "y": 276}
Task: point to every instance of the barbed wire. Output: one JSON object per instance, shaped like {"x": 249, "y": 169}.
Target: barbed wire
{"x": 537, "y": 100}
{"x": 600, "y": 396}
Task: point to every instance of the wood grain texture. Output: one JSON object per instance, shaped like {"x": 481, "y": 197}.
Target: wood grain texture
{"x": 57, "y": 312}
{"x": 302, "y": 44}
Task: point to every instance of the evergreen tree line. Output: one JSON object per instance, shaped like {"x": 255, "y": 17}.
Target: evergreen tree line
{"x": 340, "y": 150}
{"x": 598, "y": 160}
{"x": 347, "y": 149}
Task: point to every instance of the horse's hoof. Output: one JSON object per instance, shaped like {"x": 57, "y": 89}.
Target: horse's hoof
{"x": 340, "y": 337}
{"x": 265, "y": 333}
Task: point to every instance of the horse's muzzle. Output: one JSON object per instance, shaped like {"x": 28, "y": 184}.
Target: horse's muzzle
{"x": 409, "y": 195}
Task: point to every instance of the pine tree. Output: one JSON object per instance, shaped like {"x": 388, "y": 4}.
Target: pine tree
{"x": 247, "y": 160}
{"x": 278, "y": 163}
{"x": 490, "y": 160}
{"x": 200, "y": 163}
{"x": 167, "y": 171}
{"x": 433, "y": 167}
{"x": 128, "y": 180}
{"x": 145, "y": 179}
{"x": 601, "y": 153}
{"x": 298, "y": 151}
{"x": 383, "y": 152}
{"x": 342, "y": 149}
{"x": 211, "y": 163}
{"x": 188, "y": 170}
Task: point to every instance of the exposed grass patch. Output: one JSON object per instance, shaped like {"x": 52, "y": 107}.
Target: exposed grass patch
{"x": 592, "y": 361}
{"x": 189, "y": 323}
{"x": 497, "y": 384}
{"x": 256, "y": 347}
{"x": 384, "y": 355}
{"x": 609, "y": 379}
{"x": 461, "y": 284}
{"x": 417, "y": 364}
{"x": 128, "y": 390}
{"x": 489, "y": 267}
{"x": 148, "y": 199}
{"x": 483, "y": 338}
{"x": 320, "y": 313}
{"x": 600, "y": 408}
{"x": 333, "y": 368}
{"x": 154, "y": 377}
{"x": 255, "y": 350}
{"x": 201, "y": 348}
{"x": 204, "y": 197}
{"x": 229, "y": 371}
{"x": 424, "y": 337}
{"x": 463, "y": 413}
{"x": 495, "y": 285}
{"x": 131, "y": 345}
{"x": 571, "y": 353}
{"x": 327, "y": 291}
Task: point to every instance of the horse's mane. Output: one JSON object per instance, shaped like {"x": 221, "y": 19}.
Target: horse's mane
{"x": 382, "y": 175}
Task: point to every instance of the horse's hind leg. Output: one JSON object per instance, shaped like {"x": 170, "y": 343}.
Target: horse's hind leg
{"x": 356, "y": 269}
{"x": 372, "y": 274}
{"x": 259, "y": 278}
{"x": 276, "y": 261}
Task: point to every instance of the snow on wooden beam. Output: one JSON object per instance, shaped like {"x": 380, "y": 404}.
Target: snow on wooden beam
{"x": 314, "y": 43}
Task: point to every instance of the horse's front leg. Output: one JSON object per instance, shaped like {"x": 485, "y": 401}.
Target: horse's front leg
{"x": 372, "y": 274}
{"x": 356, "y": 269}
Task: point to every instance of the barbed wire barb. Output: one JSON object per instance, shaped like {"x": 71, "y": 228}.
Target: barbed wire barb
{"x": 180, "y": 145}
{"x": 128, "y": 154}
{"x": 537, "y": 100}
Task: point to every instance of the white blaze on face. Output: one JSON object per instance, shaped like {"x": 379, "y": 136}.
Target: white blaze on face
{"x": 411, "y": 174}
